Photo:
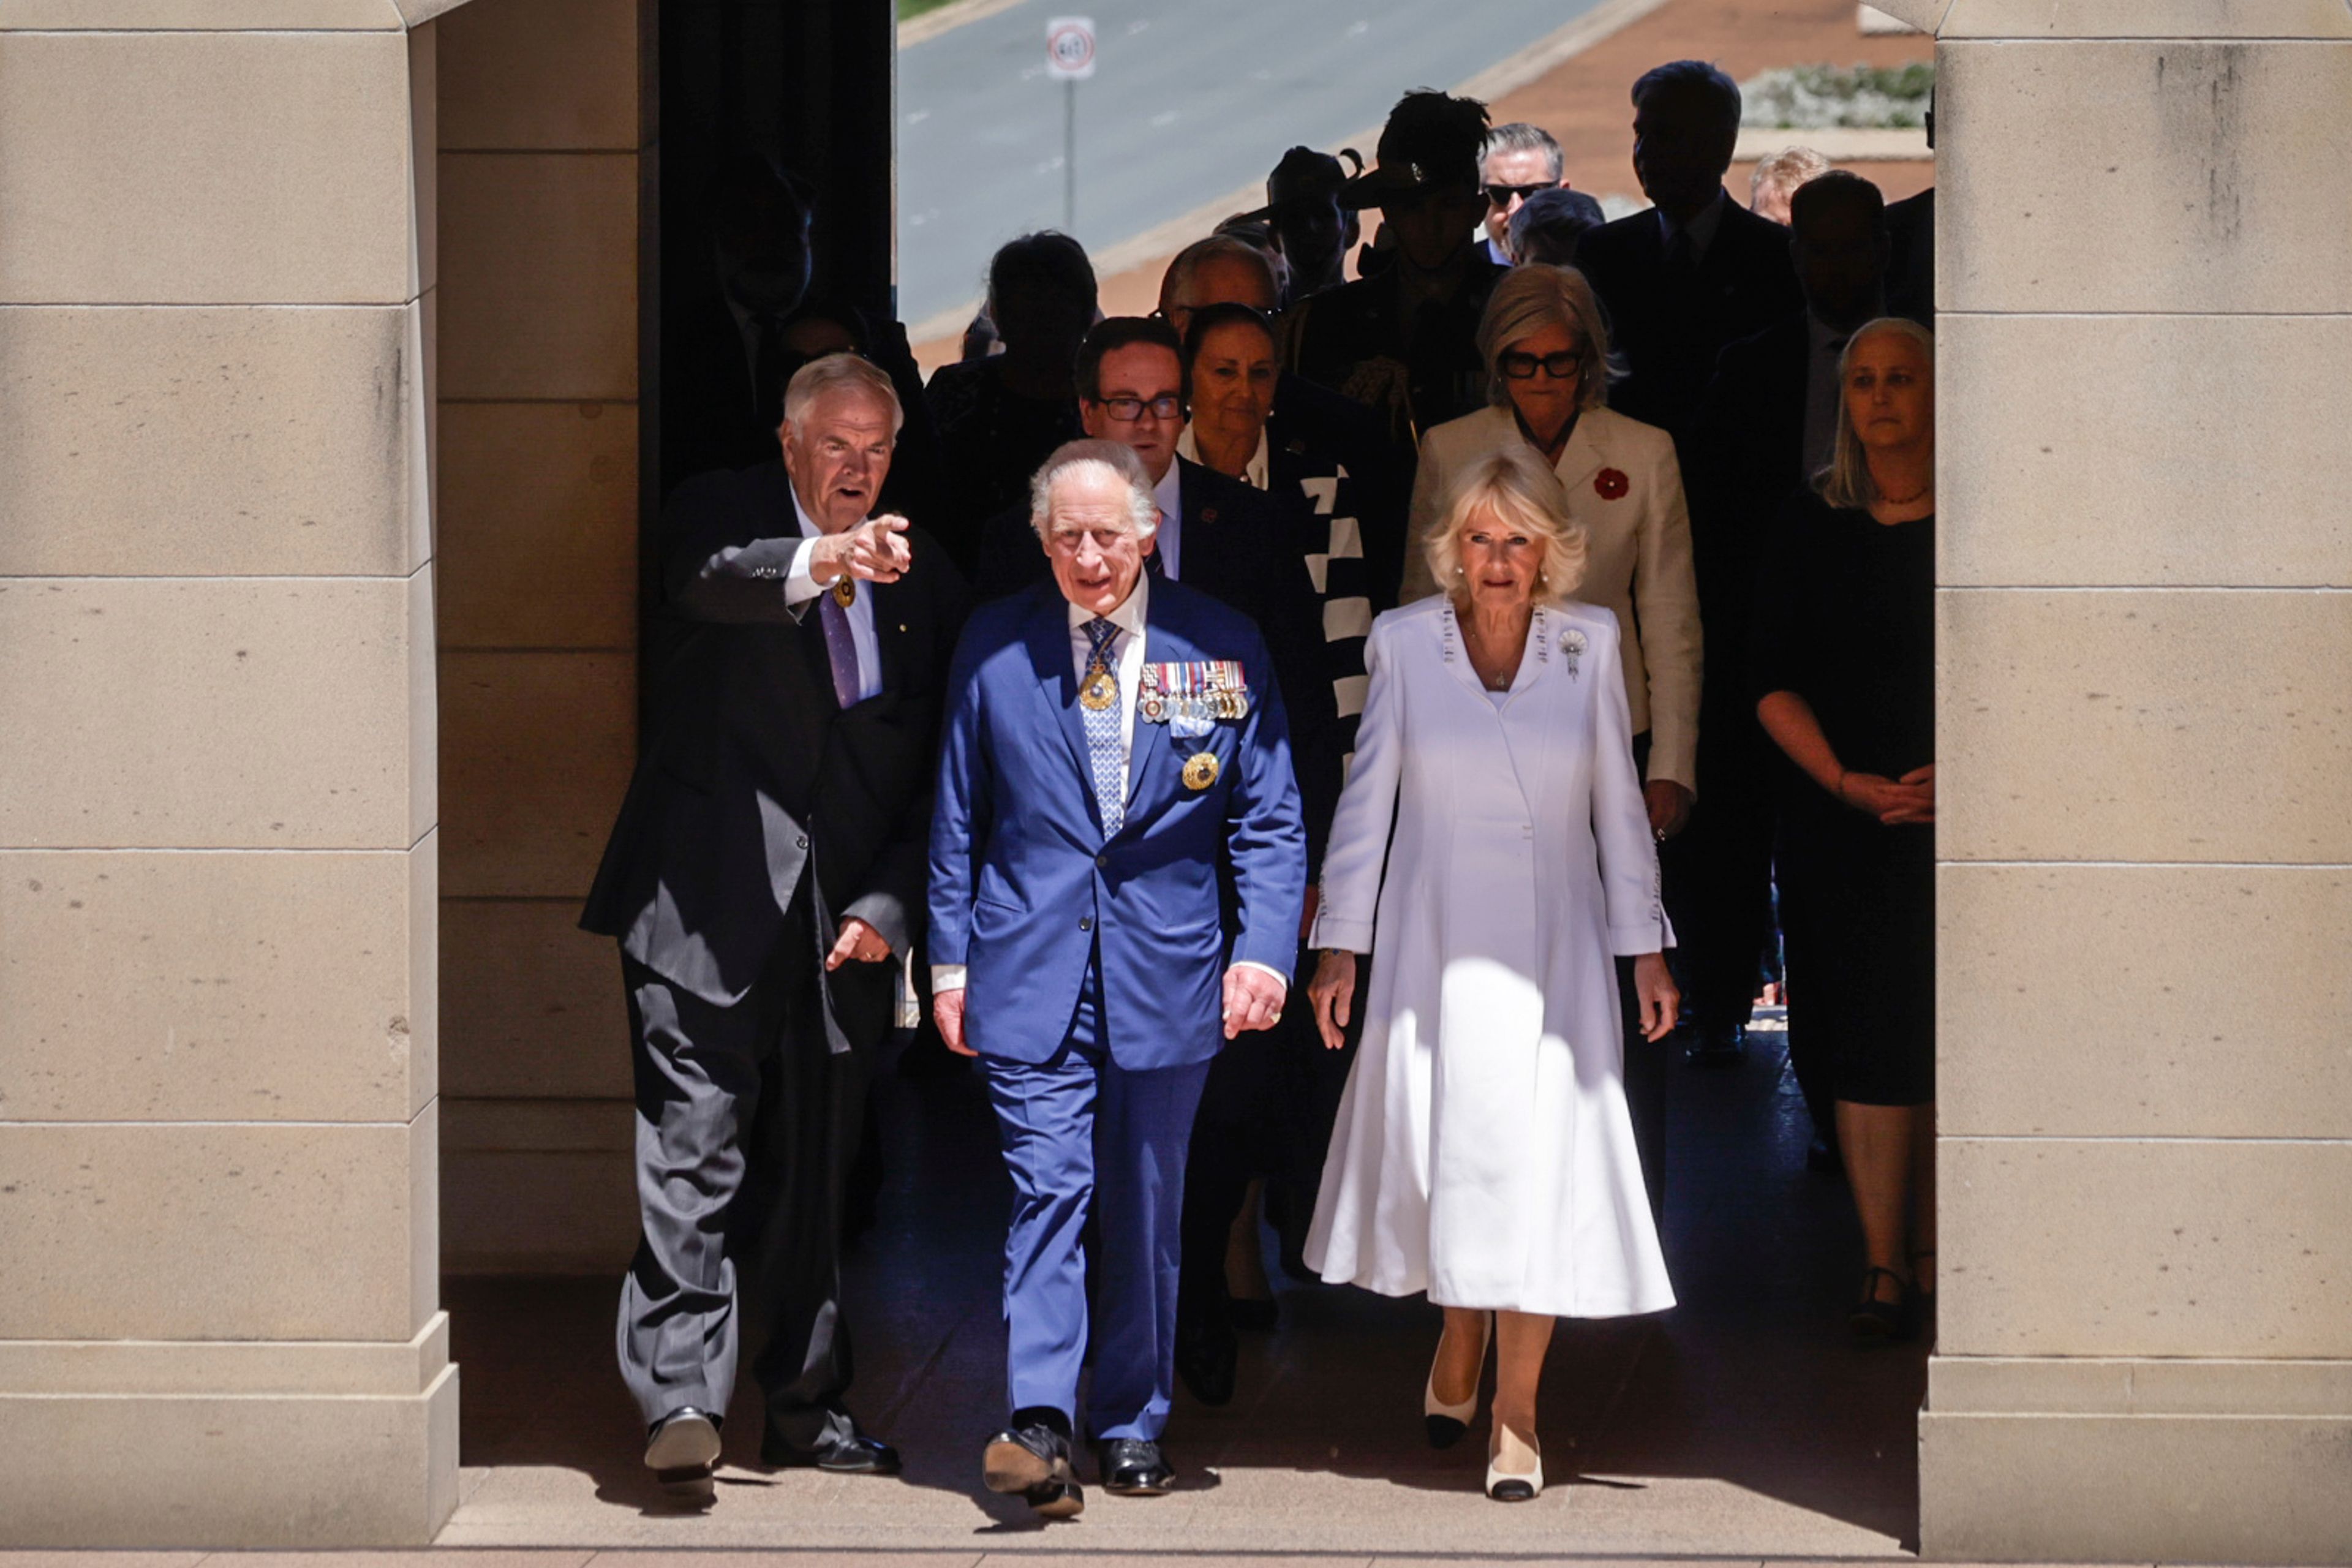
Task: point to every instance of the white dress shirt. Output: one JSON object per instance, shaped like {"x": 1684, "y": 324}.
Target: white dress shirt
{"x": 1253, "y": 473}
{"x": 1170, "y": 493}
{"x": 801, "y": 586}
{"x": 1124, "y": 651}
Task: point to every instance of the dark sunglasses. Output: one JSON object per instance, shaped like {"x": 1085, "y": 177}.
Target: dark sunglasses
{"x": 1520, "y": 365}
{"x": 1500, "y": 196}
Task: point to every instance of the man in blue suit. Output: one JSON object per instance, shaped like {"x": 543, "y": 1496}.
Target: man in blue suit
{"x": 1118, "y": 867}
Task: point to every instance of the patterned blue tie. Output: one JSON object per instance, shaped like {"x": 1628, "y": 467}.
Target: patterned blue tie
{"x": 1102, "y": 731}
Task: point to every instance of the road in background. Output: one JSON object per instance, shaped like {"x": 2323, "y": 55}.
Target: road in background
{"x": 1190, "y": 98}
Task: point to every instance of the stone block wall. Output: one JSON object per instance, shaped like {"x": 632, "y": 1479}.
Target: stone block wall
{"x": 545, "y": 157}
{"x": 2145, "y": 887}
{"x": 219, "y": 861}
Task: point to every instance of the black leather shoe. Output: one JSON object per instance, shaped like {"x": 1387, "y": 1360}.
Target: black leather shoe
{"x": 1131, "y": 1466}
{"x": 842, "y": 1453}
{"x": 1033, "y": 1462}
{"x": 1875, "y": 1322}
{"x": 682, "y": 1448}
{"x": 1207, "y": 1354}
{"x": 1720, "y": 1047}
{"x": 1257, "y": 1314}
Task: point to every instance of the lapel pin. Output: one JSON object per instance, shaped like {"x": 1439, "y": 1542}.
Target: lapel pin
{"x": 1208, "y": 514}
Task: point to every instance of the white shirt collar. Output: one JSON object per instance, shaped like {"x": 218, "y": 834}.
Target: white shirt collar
{"x": 1168, "y": 492}
{"x": 1129, "y": 617}
{"x": 809, "y": 530}
{"x": 1254, "y": 472}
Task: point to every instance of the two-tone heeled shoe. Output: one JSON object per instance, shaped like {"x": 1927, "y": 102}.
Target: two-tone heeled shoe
{"x": 1513, "y": 1486}
{"x": 1446, "y": 1423}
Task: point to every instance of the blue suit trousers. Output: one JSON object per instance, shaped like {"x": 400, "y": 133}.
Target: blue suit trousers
{"x": 1081, "y": 1133}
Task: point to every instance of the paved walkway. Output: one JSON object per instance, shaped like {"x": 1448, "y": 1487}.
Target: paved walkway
{"x": 1741, "y": 1425}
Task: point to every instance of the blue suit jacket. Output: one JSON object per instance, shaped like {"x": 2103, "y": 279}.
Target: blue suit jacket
{"x": 1023, "y": 885}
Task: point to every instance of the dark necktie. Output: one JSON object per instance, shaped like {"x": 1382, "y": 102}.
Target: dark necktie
{"x": 1682, "y": 256}
{"x": 1155, "y": 566}
{"x": 840, "y": 650}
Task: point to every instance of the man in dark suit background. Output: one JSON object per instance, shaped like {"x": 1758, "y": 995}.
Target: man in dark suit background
{"x": 763, "y": 879}
{"x": 1766, "y": 426}
{"x": 1695, "y": 272}
{"x": 738, "y": 324}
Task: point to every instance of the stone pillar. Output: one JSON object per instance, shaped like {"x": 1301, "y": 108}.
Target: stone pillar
{"x": 2145, "y": 890}
{"x": 219, "y": 1314}
{"x": 545, "y": 151}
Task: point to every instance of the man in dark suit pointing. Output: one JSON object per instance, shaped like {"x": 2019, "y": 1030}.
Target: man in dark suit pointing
{"x": 764, "y": 880}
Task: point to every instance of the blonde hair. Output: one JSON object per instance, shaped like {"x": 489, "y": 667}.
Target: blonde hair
{"x": 1515, "y": 485}
{"x": 1529, "y": 299}
{"x": 1781, "y": 174}
{"x": 1847, "y": 482}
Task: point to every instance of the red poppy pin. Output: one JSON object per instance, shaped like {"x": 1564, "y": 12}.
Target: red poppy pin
{"x": 1610, "y": 484}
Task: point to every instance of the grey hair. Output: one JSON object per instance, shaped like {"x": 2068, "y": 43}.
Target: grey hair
{"x": 1514, "y": 484}
{"x": 1784, "y": 171}
{"x": 1527, "y": 299}
{"x": 1094, "y": 456}
{"x": 1699, "y": 74}
{"x": 841, "y": 370}
{"x": 1175, "y": 287}
{"x": 1519, "y": 136}
{"x": 1847, "y": 482}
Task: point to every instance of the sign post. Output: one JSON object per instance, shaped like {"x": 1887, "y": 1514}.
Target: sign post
{"x": 1070, "y": 55}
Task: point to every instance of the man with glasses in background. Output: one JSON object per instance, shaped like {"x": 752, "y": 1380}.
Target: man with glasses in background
{"x": 1520, "y": 160}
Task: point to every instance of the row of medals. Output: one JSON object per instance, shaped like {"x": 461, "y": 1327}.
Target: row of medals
{"x": 1200, "y": 768}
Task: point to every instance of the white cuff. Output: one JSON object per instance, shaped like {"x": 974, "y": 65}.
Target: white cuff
{"x": 1344, "y": 935}
{"x": 799, "y": 586}
{"x": 1265, "y": 969}
{"x": 947, "y": 977}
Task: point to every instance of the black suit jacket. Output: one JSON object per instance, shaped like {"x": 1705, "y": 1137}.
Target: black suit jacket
{"x": 1751, "y": 424}
{"x": 1670, "y": 329}
{"x": 1357, "y": 341}
{"x": 753, "y": 773}
{"x": 1245, "y": 550}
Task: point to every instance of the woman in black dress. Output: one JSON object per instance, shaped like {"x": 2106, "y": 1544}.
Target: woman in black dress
{"x": 1846, "y": 664}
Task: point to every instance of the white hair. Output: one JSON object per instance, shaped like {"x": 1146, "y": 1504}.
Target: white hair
{"x": 841, "y": 370}
{"x": 1101, "y": 460}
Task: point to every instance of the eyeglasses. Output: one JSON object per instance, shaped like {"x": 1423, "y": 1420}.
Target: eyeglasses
{"x": 1501, "y": 195}
{"x": 1128, "y": 410}
{"x": 1520, "y": 365}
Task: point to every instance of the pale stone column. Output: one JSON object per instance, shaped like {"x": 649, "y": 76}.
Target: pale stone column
{"x": 219, "y": 1314}
{"x": 2145, "y": 888}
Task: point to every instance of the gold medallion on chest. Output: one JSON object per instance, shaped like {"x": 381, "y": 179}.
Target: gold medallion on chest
{"x": 1200, "y": 770}
{"x": 1099, "y": 691}
{"x": 845, "y": 591}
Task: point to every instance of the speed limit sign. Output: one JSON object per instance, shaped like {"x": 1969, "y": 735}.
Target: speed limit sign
{"x": 1070, "y": 48}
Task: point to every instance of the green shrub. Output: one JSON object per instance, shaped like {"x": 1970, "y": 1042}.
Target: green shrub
{"x": 1808, "y": 98}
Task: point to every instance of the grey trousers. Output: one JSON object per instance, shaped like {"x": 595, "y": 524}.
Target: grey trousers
{"x": 747, "y": 1127}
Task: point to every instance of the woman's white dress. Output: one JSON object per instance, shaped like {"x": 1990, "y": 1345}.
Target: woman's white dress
{"x": 1482, "y": 1151}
